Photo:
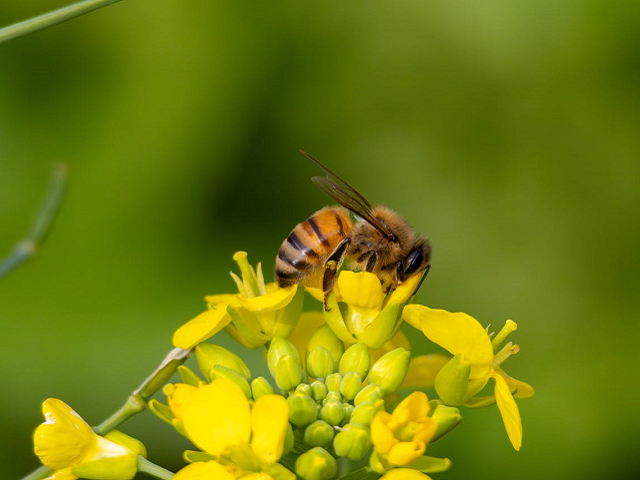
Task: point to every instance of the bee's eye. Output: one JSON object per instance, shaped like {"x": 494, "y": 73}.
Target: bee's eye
{"x": 413, "y": 262}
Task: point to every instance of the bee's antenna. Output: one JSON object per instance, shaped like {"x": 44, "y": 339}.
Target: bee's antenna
{"x": 424, "y": 275}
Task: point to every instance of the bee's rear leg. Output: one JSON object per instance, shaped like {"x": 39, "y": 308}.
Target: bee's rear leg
{"x": 331, "y": 269}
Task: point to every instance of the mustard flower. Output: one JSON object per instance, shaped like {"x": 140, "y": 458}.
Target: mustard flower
{"x": 400, "y": 438}
{"x": 66, "y": 444}
{"x": 242, "y": 440}
{"x": 254, "y": 315}
{"x": 476, "y": 360}
{"x": 369, "y": 316}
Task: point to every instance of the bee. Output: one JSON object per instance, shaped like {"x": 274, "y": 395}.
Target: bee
{"x": 380, "y": 241}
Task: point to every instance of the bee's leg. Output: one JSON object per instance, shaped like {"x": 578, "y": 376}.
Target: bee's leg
{"x": 371, "y": 263}
{"x": 331, "y": 268}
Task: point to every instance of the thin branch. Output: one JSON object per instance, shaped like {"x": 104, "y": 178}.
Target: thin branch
{"x": 51, "y": 18}
{"x": 28, "y": 246}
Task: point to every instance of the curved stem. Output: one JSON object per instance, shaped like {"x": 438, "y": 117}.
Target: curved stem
{"x": 154, "y": 470}
{"x": 51, "y": 18}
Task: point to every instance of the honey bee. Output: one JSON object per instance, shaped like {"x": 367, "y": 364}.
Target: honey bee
{"x": 380, "y": 241}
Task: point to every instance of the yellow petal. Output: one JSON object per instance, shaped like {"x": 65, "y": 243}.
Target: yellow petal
{"x": 226, "y": 298}
{"x": 509, "y": 411}
{"x": 405, "y": 290}
{"x": 423, "y": 370}
{"x": 178, "y": 396}
{"x": 404, "y": 474}
{"x": 275, "y": 299}
{"x": 520, "y": 388}
{"x": 204, "y": 471}
{"x": 270, "y": 420}
{"x": 202, "y": 327}
{"x": 64, "y": 474}
{"x": 403, "y": 453}
{"x": 381, "y": 435}
{"x": 361, "y": 289}
{"x": 455, "y": 332}
{"x": 218, "y": 416}
{"x": 64, "y": 439}
{"x": 415, "y": 406}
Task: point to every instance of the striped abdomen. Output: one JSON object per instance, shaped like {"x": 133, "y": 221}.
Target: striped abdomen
{"x": 310, "y": 244}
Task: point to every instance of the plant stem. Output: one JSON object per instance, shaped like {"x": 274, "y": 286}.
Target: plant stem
{"x": 38, "y": 473}
{"x": 154, "y": 470}
{"x": 51, "y": 18}
{"x": 134, "y": 404}
{"x": 28, "y": 246}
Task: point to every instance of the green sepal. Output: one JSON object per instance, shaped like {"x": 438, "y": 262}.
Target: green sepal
{"x": 390, "y": 369}
{"x": 260, "y": 386}
{"x": 370, "y": 392}
{"x": 326, "y": 338}
{"x": 289, "y": 372}
{"x": 452, "y": 381}
{"x": 479, "y": 402}
{"x": 161, "y": 410}
{"x": 381, "y": 328}
{"x": 352, "y": 442}
{"x": 365, "y": 411}
{"x": 280, "y": 472}
{"x": 191, "y": 456}
{"x": 113, "y": 468}
{"x": 430, "y": 464}
{"x": 220, "y": 371}
{"x": 278, "y": 348}
{"x": 133, "y": 444}
{"x": 356, "y": 359}
{"x": 350, "y": 385}
{"x": 189, "y": 377}
{"x": 320, "y": 363}
{"x": 447, "y": 418}
{"x": 209, "y": 355}
{"x": 248, "y": 328}
{"x": 335, "y": 320}
{"x": 433, "y": 405}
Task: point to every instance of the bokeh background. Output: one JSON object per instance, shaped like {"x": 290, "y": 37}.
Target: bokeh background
{"x": 509, "y": 131}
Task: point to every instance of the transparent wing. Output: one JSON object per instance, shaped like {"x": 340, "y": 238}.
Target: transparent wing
{"x": 347, "y": 196}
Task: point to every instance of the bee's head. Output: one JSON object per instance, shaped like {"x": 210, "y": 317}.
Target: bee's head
{"x": 418, "y": 258}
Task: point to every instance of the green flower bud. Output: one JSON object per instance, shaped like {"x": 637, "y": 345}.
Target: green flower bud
{"x": 304, "y": 388}
{"x": 350, "y": 385}
{"x": 260, "y": 386}
{"x": 324, "y": 337}
{"x": 370, "y": 392}
{"x": 302, "y": 409}
{"x": 188, "y": 377}
{"x": 447, "y": 419}
{"x": 289, "y": 372}
{"x": 209, "y": 355}
{"x": 318, "y": 434}
{"x": 279, "y": 348}
{"x": 365, "y": 411}
{"x": 316, "y": 464}
{"x": 333, "y": 382}
{"x": 452, "y": 381}
{"x": 220, "y": 371}
{"x": 320, "y": 363}
{"x": 277, "y": 471}
{"x": 348, "y": 411}
{"x": 332, "y": 397}
{"x": 333, "y": 413}
{"x": 353, "y": 442}
{"x": 289, "y": 440}
{"x": 356, "y": 359}
{"x": 318, "y": 390}
{"x": 390, "y": 369}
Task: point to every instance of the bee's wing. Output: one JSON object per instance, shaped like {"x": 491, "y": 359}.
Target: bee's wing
{"x": 347, "y": 196}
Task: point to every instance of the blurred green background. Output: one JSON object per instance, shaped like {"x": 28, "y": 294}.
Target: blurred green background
{"x": 509, "y": 131}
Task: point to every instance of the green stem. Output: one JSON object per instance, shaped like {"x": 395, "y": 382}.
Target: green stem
{"x": 28, "y": 246}
{"x": 154, "y": 470}
{"x": 51, "y": 18}
{"x": 134, "y": 404}
{"x": 38, "y": 474}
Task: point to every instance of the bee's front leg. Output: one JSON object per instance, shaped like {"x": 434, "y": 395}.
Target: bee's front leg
{"x": 331, "y": 267}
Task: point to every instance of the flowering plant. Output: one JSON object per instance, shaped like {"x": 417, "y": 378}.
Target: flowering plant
{"x": 332, "y": 407}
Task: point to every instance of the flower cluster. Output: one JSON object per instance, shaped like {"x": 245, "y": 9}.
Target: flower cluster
{"x": 334, "y": 397}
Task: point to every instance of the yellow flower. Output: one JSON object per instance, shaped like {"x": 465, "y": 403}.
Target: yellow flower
{"x": 476, "y": 360}
{"x": 246, "y": 441}
{"x": 370, "y": 317}
{"x": 401, "y": 437}
{"x": 404, "y": 474}
{"x": 254, "y": 315}
{"x": 65, "y": 443}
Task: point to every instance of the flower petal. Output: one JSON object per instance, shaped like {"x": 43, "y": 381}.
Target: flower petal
{"x": 455, "y": 332}
{"x": 217, "y": 416}
{"x": 415, "y": 406}
{"x": 403, "y": 453}
{"x": 404, "y": 474}
{"x": 64, "y": 439}
{"x": 509, "y": 411}
{"x": 405, "y": 290}
{"x": 204, "y": 471}
{"x": 423, "y": 370}
{"x": 381, "y": 435}
{"x": 275, "y": 299}
{"x": 361, "y": 289}
{"x": 520, "y": 388}
{"x": 270, "y": 420}
{"x": 202, "y": 327}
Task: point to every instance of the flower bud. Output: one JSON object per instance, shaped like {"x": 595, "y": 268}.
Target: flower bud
{"x": 289, "y": 372}
{"x": 332, "y": 412}
{"x": 356, "y": 359}
{"x": 332, "y": 397}
{"x": 279, "y": 348}
{"x": 318, "y": 434}
{"x": 223, "y": 372}
{"x": 316, "y": 464}
{"x": 353, "y": 442}
{"x": 260, "y": 386}
{"x": 348, "y": 410}
{"x": 289, "y": 440}
{"x": 350, "y": 385}
{"x": 390, "y": 369}
{"x": 304, "y": 388}
{"x": 333, "y": 382}
{"x": 370, "y": 392}
{"x": 324, "y": 337}
{"x": 447, "y": 418}
{"x": 364, "y": 412}
{"x": 209, "y": 355}
{"x": 320, "y": 363}
{"x": 318, "y": 390}
{"x": 452, "y": 381}
{"x": 302, "y": 409}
